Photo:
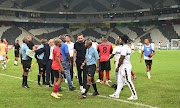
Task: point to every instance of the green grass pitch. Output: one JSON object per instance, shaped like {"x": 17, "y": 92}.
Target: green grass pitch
{"x": 162, "y": 90}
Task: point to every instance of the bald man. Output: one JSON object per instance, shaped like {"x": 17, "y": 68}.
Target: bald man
{"x": 42, "y": 68}
{"x": 91, "y": 58}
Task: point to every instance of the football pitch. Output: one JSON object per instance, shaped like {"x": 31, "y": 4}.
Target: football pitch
{"x": 162, "y": 90}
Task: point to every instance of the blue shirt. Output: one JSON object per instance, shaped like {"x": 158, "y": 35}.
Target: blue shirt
{"x": 41, "y": 55}
{"x": 24, "y": 48}
{"x": 147, "y": 50}
{"x": 91, "y": 56}
{"x": 64, "y": 50}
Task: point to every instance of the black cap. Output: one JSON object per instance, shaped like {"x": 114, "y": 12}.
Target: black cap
{"x": 125, "y": 38}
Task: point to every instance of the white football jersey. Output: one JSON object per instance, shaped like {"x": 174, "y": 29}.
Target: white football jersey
{"x": 132, "y": 46}
{"x": 117, "y": 52}
{"x": 126, "y": 51}
{"x": 94, "y": 44}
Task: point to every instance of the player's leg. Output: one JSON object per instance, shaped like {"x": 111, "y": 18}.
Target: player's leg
{"x": 107, "y": 68}
{"x": 95, "y": 88}
{"x": 120, "y": 81}
{"x": 78, "y": 64}
{"x": 148, "y": 70}
{"x": 116, "y": 76}
{"x": 4, "y": 61}
{"x": 39, "y": 74}
{"x": 134, "y": 77}
{"x": 57, "y": 81}
{"x": 130, "y": 83}
{"x": 26, "y": 66}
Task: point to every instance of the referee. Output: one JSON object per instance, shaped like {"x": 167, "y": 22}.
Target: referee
{"x": 90, "y": 60}
{"x": 26, "y": 62}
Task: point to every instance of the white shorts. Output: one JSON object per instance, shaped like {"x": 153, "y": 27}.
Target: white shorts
{"x": 2, "y": 57}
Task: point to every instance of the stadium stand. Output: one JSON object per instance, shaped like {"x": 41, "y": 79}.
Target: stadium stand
{"x": 11, "y": 34}
{"x": 161, "y": 33}
{"x": 86, "y": 5}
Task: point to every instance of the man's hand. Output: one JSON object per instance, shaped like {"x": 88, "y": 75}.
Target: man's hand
{"x": 70, "y": 64}
{"x": 117, "y": 69}
{"x": 62, "y": 70}
{"x": 74, "y": 63}
{"x": 97, "y": 70}
{"x": 82, "y": 66}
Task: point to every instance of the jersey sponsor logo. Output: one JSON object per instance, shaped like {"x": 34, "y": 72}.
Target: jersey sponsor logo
{"x": 147, "y": 49}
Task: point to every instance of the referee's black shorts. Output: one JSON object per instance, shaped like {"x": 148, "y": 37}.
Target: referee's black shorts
{"x": 105, "y": 65}
{"x": 148, "y": 62}
{"x": 16, "y": 53}
{"x": 91, "y": 70}
{"x": 26, "y": 65}
{"x": 58, "y": 74}
{"x": 42, "y": 67}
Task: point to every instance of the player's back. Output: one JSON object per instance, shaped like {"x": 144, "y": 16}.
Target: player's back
{"x": 126, "y": 51}
{"x": 56, "y": 53}
{"x": 2, "y": 49}
{"x": 117, "y": 52}
{"x": 105, "y": 49}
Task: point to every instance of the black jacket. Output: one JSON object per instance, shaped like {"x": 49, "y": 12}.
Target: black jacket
{"x": 46, "y": 50}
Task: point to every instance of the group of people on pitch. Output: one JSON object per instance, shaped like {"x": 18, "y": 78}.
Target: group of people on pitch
{"x": 57, "y": 59}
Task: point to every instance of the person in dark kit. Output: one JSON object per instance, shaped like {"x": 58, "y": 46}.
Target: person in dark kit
{"x": 79, "y": 57}
{"x": 42, "y": 68}
{"x": 30, "y": 45}
{"x": 47, "y": 60}
{"x": 16, "y": 51}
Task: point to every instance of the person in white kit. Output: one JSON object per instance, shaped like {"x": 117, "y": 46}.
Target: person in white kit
{"x": 132, "y": 46}
{"x": 140, "y": 46}
{"x": 124, "y": 70}
{"x": 94, "y": 44}
{"x": 117, "y": 53}
{"x": 167, "y": 45}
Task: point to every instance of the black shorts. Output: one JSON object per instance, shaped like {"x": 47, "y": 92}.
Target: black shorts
{"x": 26, "y": 65}
{"x": 57, "y": 74}
{"x": 105, "y": 65}
{"x": 91, "y": 70}
{"x": 42, "y": 67}
{"x": 148, "y": 62}
{"x": 16, "y": 53}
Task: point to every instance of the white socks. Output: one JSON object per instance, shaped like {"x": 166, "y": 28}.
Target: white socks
{"x": 148, "y": 73}
{"x": 2, "y": 65}
{"x": 15, "y": 62}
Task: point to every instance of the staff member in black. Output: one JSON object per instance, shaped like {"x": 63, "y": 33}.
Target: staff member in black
{"x": 79, "y": 57}
{"x": 16, "y": 51}
{"x": 30, "y": 45}
{"x": 47, "y": 60}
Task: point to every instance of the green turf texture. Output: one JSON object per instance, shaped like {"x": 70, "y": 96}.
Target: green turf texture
{"x": 162, "y": 90}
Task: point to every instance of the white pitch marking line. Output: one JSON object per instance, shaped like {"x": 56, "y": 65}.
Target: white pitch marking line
{"x": 120, "y": 100}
